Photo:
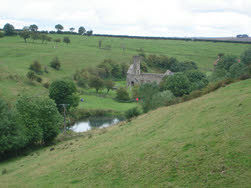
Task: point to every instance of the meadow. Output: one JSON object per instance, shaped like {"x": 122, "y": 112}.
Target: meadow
{"x": 204, "y": 142}
{"x": 16, "y": 57}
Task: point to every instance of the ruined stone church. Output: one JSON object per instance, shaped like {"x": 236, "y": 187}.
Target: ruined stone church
{"x": 135, "y": 77}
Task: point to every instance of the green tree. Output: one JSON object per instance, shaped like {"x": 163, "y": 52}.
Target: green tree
{"x": 66, "y": 40}
{"x": 25, "y": 34}
{"x": 122, "y": 94}
{"x": 33, "y": 28}
{"x": 238, "y": 69}
{"x": 59, "y": 28}
{"x": 81, "y": 30}
{"x": 9, "y": 29}
{"x": 72, "y": 29}
{"x": 64, "y": 92}
{"x": 109, "y": 84}
{"x": 55, "y": 63}
{"x": 178, "y": 84}
{"x": 40, "y": 117}
{"x": 96, "y": 82}
{"x": 12, "y": 135}
{"x": 1, "y": 34}
{"x": 198, "y": 79}
{"x": 35, "y": 36}
{"x": 36, "y": 67}
{"x": 31, "y": 75}
{"x": 89, "y": 33}
{"x": 246, "y": 57}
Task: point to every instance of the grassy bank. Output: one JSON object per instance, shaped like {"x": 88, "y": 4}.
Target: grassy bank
{"x": 200, "y": 143}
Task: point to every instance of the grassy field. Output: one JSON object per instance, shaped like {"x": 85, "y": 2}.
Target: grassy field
{"x": 200, "y": 143}
{"x": 16, "y": 57}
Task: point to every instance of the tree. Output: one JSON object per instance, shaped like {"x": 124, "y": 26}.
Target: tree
{"x": 67, "y": 40}
{"x": 12, "y": 135}
{"x": 63, "y": 92}
{"x": 33, "y": 28}
{"x": 198, "y": 79}
{"x": 40, "y": 117}
{"x": 96, "y": 82}
{"x": 36, "y": 67}
{"x": 8, "y": 29}
{"x": 31, "y": 75}
{"x": 57, "y": 40}
{"x": 89, "y": 33}
{"x": 35, "y": 36}
{"x": 178, "y": 84}
{"x": 25, "y": 34}
{"x": 72, "y": 29}
{"x": 1, "y": 34}
{"x": 43, "y": 37}
{"x": 109, "y": 84}
{"x": 246, "y": 57}
{"x": 59, "y": 28}
{"x": 55, "y": 63}
{"x": 122, "y": 94}
{"x": 81, "y": 30}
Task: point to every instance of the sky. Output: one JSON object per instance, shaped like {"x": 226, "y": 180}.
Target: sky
{"x": 165, "y": 18}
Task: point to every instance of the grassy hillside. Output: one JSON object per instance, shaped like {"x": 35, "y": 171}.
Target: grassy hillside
{"x": 16, "y": 57}
{"x": 205, "y": 142}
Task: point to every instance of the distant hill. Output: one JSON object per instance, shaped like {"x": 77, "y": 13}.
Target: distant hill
{"x": 200, "y": 143}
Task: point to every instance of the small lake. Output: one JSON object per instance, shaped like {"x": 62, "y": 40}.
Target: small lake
{"x": 98, "y": 122}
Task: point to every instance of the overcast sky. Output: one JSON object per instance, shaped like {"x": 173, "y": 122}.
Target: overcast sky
{"x": 169, "y": 18}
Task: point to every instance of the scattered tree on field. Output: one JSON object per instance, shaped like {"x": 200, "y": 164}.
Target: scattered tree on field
{"x": 55, "y": 63}
{"x": 122, "y": 94}
{"x": 72, "y": 29}
{"x": 31, "y": 75}
{"x": 66, "y": 40}
{"x": 33, "y": 28}
{"x": 96, "y": 82}
{"x": 8, "y": 29}
{"x": 25, "y": 34}
{"x": 59, "y": 28}
{"x": 36, "y": 67}
{"x": 109, "y": 84}
{"x": 81, "y": 30}
{"x": 89, "y": 33}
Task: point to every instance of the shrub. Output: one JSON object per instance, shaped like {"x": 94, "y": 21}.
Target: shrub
{"x": 133, "y": 112}
{"x": 82, "y": 82}
{"x": 31, "y": 75}
{"x": 122, "y": 94}
{"x": 39, "y": 79}
{"x": 161, "y": 99}
{"x": 55, "y": 63}
{"x": 109, "y": 84}
{"x": 1, "y": 34}
{"x": 46, "y": 85}
{"x": 40, "y": 117}
{"x": 66, "y": 40}
{"x": 96, "y": 82}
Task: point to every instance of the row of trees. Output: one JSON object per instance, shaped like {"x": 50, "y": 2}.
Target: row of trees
{"x": 10, "y": 30}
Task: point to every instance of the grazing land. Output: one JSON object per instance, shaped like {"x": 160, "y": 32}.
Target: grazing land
{"x": 16, "y": 57}
{"x": 204, "y": 142}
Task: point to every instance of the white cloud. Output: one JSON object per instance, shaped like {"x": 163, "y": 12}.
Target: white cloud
{"x": 134, "y": 17}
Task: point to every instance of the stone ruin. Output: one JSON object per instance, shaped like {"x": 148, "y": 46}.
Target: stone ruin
{"x": 135, "y": 77}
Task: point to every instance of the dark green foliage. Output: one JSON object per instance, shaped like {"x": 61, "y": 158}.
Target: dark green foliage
{"x": 57, "y": 40}
{"x": 63, "y": 92}
{"x": 89, "y": 33}
{"x": 170, "y": 63}
{"x": 46, "y": 85}
{"x": 55, "y": 63}
{"x": 33, "y": 28}
{"x": 178, "y": 84}
{"x": 198, "y": 79}
{"x": 40, "y": 117}
{"x": 81, "y": 30}
{"x": 66, "y": 40}
{"x": 25, "y": 34}
{"x": 133, "y": 112}
{"x": 109, "y": 84}
{"x": 146, "y": 93}
{"x": 226, "y": 62}
{"x": 122, "y": 94}
{"x": 161, "y": 99}
{"x": 96, "y": 82}
{"x": 246, "y": 57}
{"x": 39, "y": 79}
{"x": 31, "y": 75}
{"x": 8, "y": 29}
{"x": 1, "y": 34}
{"x": 237, "y": 69}
{"x": 82, "y": 82}
{"x": 36, "y": 67}
{"x": 11, "y": 133}
{"x": 35, "y": 36}
{"x": 59, "y": 28}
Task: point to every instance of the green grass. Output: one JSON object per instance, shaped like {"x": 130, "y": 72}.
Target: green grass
{"x": 200, "y": 143}
{"x": 16, "y": 56}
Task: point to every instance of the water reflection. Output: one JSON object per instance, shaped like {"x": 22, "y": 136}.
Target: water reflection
{"x": 100, "y": 122}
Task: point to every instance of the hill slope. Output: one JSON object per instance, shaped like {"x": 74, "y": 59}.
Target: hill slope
{"x": 205, "y": 142}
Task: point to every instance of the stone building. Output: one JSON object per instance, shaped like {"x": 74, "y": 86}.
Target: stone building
{"x": 135, "y": 77}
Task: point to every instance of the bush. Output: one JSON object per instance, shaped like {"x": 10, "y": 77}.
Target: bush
{"x": 133, "y": 112}
{"x": 1, "y": 34}
{"x": 82, "y": 82}
{"x": 46, "y": 85}
{"x": 122, "y": 94}
{"x": 39, "y": 79}
{"x": 40, "y": 117}
{"x": 66, "y": 40}
{"x": 55, "y": 63}
{"x": 31, "y": 75}
{"x": 96, "y": 82}
{"x": 161, "y": 99}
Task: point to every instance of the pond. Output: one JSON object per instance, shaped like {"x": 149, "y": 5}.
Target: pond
{"x": 98, "y": 122}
